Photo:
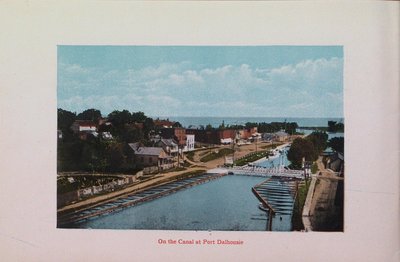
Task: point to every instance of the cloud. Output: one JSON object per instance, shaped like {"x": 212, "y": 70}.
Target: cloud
{"x": 308, "y": 88}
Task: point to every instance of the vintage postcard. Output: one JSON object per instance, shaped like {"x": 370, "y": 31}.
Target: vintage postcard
{"x": 199, "y": 131}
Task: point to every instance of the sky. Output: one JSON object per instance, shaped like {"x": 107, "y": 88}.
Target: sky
{"x": 207, "y": 81}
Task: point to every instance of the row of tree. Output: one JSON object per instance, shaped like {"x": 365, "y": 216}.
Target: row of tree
{"x": 289, "y": 127}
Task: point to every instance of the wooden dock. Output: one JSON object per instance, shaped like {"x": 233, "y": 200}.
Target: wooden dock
{"x": 277, "y": 196}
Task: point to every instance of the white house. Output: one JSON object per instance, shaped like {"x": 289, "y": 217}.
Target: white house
{"x": 189, "y": 143}
{"x": 83, "y": 126}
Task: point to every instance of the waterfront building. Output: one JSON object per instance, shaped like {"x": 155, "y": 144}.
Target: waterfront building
{"x": 169, "y": 145}
{"x": 190, "y": 140}
{"x": 282, "y": 136}
{"x": 176, "y": 133}
{"x": 154, "y": 157}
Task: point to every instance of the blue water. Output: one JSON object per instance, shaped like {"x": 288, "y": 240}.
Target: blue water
{"x": 216, "y": 121}
{"x": 274, "y": 161}
{"x": 226, "y": 203}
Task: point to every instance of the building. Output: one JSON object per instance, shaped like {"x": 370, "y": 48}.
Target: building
{"x": 170, "y": 146}
{"x": 247, "y": 133}
{"x": 159, "y": 123}
{"x": 152, "y": 157}
{"x": 336, "y": 163}
{"x": 83, "y": 126}
{"x": 282, "y": 136}
{"x": 177, "y": 133}
{"x": 190, "y": 140}
{"x": 204, "y": 136}
{"x": 226, "y": 136}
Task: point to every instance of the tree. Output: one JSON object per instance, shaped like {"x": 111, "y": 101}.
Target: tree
{"x": 334, "y": 127}
{"x": 65, "y": 119}
{"x": 90, "y": 114}
{"x": 177, "y": 124}
{"x": 138, "y": 117}
{"x": 337, "y": 144}
{"x": 209, "y": 127}
{"x": 115, "y": 156}
{"x": 319, "y": 140}
{"x": 120, "y": 118}
{"x": 301, "y": 148}
{"x": 148, "y": 126}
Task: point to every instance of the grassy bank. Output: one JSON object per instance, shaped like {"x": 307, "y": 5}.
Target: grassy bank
{"x": 297, "y": 222}
{"x": 251, "y": 158}
{"x": 215, "y": 155}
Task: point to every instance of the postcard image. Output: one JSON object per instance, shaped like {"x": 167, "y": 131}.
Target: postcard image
{"x": 220, "y": 138}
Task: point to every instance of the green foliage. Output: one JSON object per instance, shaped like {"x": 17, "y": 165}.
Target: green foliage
{"x": 64, "y": 120}
{"x": 289, "y": 127}
{"x": 222, "y": 152}
{"x": 297, "y": 222}
{"x": 190, "y": 155}
{"x": 209, "y": 127}
{"x": 177, "y": 124}
{"x": 89, "y": 114}
{"x": 319, "y": 140}
{"x": 251, "y": 158}
{"x": 138, "y": 117}
{"x": 337, "y": 144}
{"x": 120, "y": 118}
{"x": 314, "y": 168}
{"x": 308, "y": 148}
{"x": 334, "y": 127}
{"x": 301, "y": 148}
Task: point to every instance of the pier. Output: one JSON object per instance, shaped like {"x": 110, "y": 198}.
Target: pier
{"x": 277, "y": 197}
{"x": 133, "y": 199}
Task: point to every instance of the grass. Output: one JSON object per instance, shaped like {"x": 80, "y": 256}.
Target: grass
{"x": 297, "y": 221}
{"x": 222, "y": 152}
{"x": 190, "y": 155}
{"x": 251, "y": 158}
{"x": 314, "y": 168}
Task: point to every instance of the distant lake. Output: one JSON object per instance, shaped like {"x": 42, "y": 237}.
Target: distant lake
{"x": 216, "y": 121}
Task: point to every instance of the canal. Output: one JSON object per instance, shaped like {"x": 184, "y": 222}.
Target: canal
{"x": 223, "y": 204}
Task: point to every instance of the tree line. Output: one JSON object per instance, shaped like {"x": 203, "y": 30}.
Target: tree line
{"x": 288, "y": 127}
{"x": 97, "y": 154}
{"x": 311, "y": 147}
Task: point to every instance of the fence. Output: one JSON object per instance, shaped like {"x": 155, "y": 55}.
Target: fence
{"x": 67, "y": 198}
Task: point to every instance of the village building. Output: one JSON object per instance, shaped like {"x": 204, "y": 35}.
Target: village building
{"x": 282, "y": 136}
{"x": 159, "y": 123}
{"x": 176, "y": 133}
{"x": 170, "y": 146}
{"x": 227, "y": 136}
{"x": 154, "y": 157}
{"x": 84, "y": 128}
{"x": 190, "y": 141}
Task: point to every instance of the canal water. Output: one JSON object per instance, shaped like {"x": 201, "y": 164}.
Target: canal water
{"x": 224, "y": 204}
